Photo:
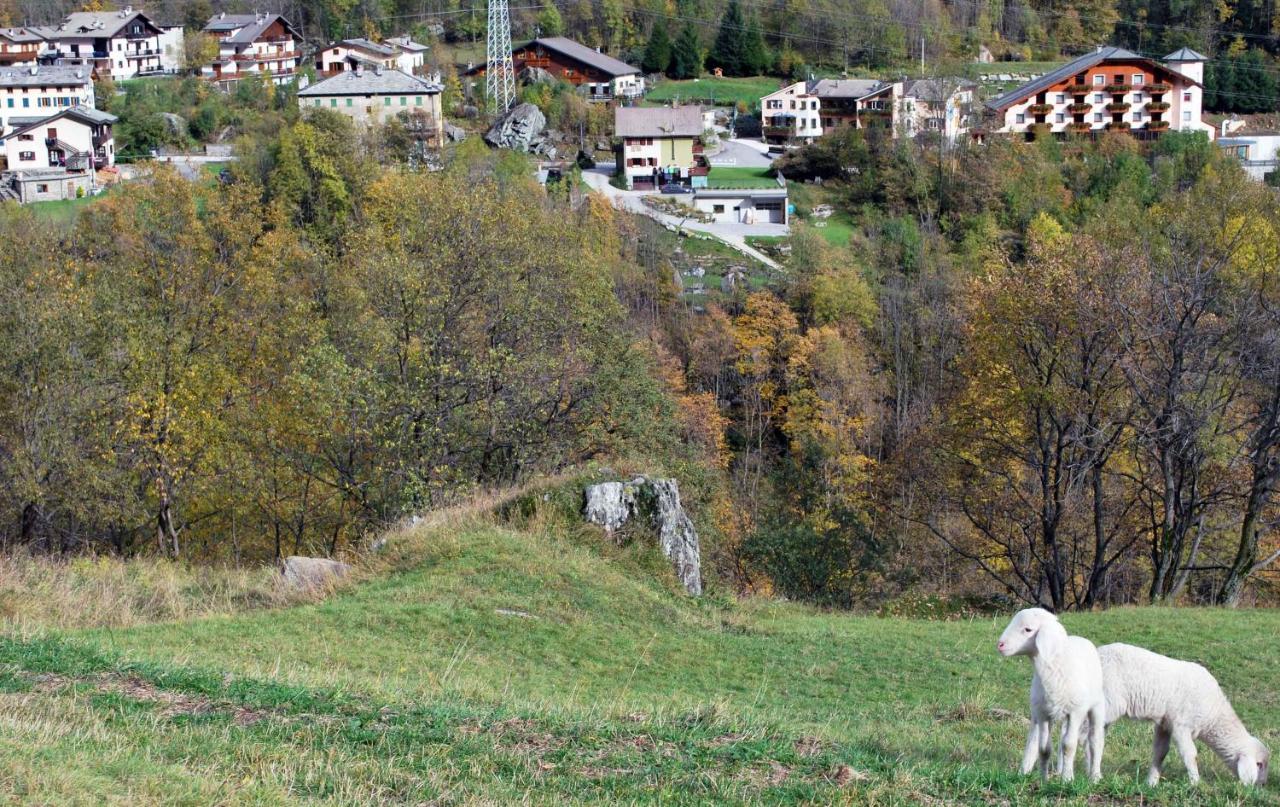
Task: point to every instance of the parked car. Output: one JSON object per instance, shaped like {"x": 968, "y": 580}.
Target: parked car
{"x": 672, "y": 187}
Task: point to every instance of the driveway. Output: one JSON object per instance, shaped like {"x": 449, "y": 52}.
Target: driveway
{"x": 741, "y": 154}
{"x": 731, "y": 233}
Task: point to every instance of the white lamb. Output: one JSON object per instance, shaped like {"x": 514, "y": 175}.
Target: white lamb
{"x": 1185, "y": 703}
{"x": 1066, "y": 686}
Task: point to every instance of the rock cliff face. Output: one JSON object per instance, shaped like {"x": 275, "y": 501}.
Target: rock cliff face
{"x": 612, "y": 504}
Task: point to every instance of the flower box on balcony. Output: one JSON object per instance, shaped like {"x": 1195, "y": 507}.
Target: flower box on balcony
{"x": 1118, "y": 126}
{"x": 1040, "y": 109}
{"x": 1077, "y": 89}
{"x": 1118, "y": 108}
{"x": 1116, "y": 89}
{"x": 1158, "y": 125}
{"x": 1079, "y": 128}
{"x": 1080, "y": 109}
{"x": 1158, "y": 88}
{"x": 1157, "y": 106}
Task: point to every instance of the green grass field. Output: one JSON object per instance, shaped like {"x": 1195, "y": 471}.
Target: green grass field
{"x": 730, "y": 177}
{"x": 63, "y": 211}
{"x": 713, "y": 91}
{"x": 493, "y": 663}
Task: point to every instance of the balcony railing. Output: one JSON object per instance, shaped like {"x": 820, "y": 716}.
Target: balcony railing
{"x": 1117, "y": 108}
{"x": 1077, "y": 89}
{"x": 1040, "y": 109}
{"x": 267, "y": 57}
{"x": 1159, "y": 88}
{"x": 1157, "y": 106}
{"x": 1080, "y": 109}
{"x": 1117, "y": 89}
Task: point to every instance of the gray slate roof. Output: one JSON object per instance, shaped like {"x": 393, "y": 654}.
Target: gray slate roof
{"x": 250, "y": 26}
{"x": 370, "y": 82}
{"x": 1068, "y": 70}
{"x": 369, "y": 46}
{"x": 854, "y": 88}
{"x": 17, "y": 35}
{"x": 579, "y": 52}
{"x": 100, "y": 23}
{"x": 44, "y": 76}
{"x": 84, "y": 114}
{"x": 635, "y": 121}
{"x": 406, "y": 44}
{"x": 1186, "y": 55}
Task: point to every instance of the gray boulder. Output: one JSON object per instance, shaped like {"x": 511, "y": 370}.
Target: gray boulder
{"x": 612, "y": 504}
{"x": 733, "y": 280}
{"x": 518, "y": 130}
{"x": 677, "y": 536}
{"x": 301, "y": 572}
{"x": 174, "y": 124}
{"x": 535, "y": 75}
{"x": 454, "y": 133}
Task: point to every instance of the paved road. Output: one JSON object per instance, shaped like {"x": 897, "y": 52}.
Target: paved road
{"x": 742, "y": 154}
{"x": 731, "y": 233}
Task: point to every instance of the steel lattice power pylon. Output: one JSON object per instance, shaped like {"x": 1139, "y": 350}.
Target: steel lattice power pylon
{"x": 499, "y": 73}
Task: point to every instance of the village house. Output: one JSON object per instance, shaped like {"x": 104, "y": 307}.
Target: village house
{"x": 77, "y": 138}
{"x": 660, "y": 146}
{"x": 38, "y": 91}
{"x": 1108, "y": 89}
{"x": 791, "y": 116}
{"x": 58, "y": 156}
{"x": 113, "y": 44}
{"x": 941, "y": 106}
{"x": 400, "y": 53}
{"x": 19, "y": 46}
{"x": 751, "y": 206}
{"x": 374, "y": 95}
{"x": 265, "y": 44}
{"x": 173, "y": 43}
{"x": 603, "y": 77}
{"x": 860, "y": 103}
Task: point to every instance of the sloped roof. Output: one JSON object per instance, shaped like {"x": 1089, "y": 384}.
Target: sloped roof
{"x": 406, "y": 44}
{"x": 1072, "y": 67}
{"x": 847, "y": 87}
{"x": 931, "y": 88}
{"x": 18, "y": 35}
{"x": 635, "y": 121}
{"x": 86, "y": 115}
{"x": 370, "y": 82}
{"x": 369, "y": 46}
{"x": 1186, "y": 55}
{"x": 246, "y": 27}
{"x": 44, "y": 76}
{"x": 101, "y": 23}
{"x": 581, "y": 53}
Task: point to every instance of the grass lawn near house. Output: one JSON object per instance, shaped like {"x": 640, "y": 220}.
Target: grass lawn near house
{"x": 63, "y": 211}
{"x": 837, "y": 229}
{"x": 740, "y": 177}
{"x": 711, "y": 91}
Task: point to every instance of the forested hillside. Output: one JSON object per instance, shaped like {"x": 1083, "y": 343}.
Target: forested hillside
{"x": 1016, "y": 372}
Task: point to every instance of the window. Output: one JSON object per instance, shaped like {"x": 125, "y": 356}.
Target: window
{"x": 1137, "y": 116}
{"x": 1137, "y": 98}
{"x": 1138, "y": 79}
{"x": 1186, "y": 116}
{"x": 1020, "y": 118}
{"x": 1119, "y": 78}
{"x": 404, "y": 101}
{"x": 386, "y": 101}
{"x": 418, "y": 101}
{"x": 26, "y": 102}
{"x": 1097, "y": 97}
{"x": 1060, "y": 98}
{"x": 11, "y": 103}
{"x": 1099, "y": 80}
{"x": 1059, "y": 118}
{"x": 28, "y": 137}
{"x": 42, "y": 188}
{"x": 717, "y": 208}
{"x": 1097, "y": 117}
{"x": 316, "y": 102}
{"x": 1186, "y": 96}
{"x": 333, "y": 102}
{"x": 349, "y": 101}
{"x": 27, "y": 156}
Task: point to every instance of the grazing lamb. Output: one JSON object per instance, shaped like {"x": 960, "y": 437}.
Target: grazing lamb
{"x": 1066, "y": 686}
{"x": 1185, "y": 703}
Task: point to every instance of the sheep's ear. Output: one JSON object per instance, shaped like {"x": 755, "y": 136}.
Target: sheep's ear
{"x": 1050, "y": 637}
{"x": 1247, "y": 768}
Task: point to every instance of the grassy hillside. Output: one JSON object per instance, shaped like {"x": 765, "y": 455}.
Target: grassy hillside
{"x": 483, "y": 662}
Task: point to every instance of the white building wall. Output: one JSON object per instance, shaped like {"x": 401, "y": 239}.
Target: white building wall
{"x": 29, "y": 102}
